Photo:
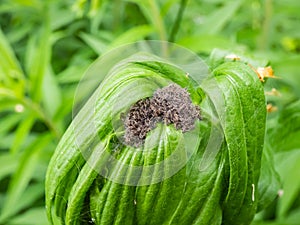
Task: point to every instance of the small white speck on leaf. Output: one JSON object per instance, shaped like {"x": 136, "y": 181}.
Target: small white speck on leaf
{"x": 19, "y": 108}
{"x": 253, "y": 192}
{"x": 280, "y": 192}
{"x": 232, "y": 57}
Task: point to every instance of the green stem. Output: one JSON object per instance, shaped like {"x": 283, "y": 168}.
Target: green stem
{"x": 179, "y": 16}
{"x": 264, "y": 39}
{"x": 157, "y": 20}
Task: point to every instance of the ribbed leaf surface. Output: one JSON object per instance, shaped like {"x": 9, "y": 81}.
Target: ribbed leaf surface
{"x": 224, "y": 192}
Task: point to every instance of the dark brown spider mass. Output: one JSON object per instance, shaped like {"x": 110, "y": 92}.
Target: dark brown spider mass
{"x": 169, "y": 105}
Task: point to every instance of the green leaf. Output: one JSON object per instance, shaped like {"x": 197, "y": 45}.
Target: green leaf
{"x": 269, "y": 182}
{"x": 99, "y": 46}
{"x": 23, "y": 175}
{"x": 60, "y": 167}
{"x": 134, "y": 34}
{"x": 34, "y": 216}
{"x": 225, "y": 192}
{"x": 8, "y": 164}
{"x": 32, "y": 194}
{"x": 243, "y": 122}
{"x": 293, "y": 217}
{"x": 215, "y": 22}
{"x": 152, "y": 12}
{"x": 220, "y": 56}
{"x": 288, "y": 167}
{"x": 6, "y": 141}
{"x": 60, "y": 16}
{"x": 38, "y": 58}
{"x": 9, "y": 122}
{"x": 52, "y": 96}
{"x": 7, "y": 104}
{"x": 9, "y": 66}
{"x": 284, "y": 136}
{"x": 73, "y": 73}
{"x": 21, "y": 132}
{"x": 205, "y": 43}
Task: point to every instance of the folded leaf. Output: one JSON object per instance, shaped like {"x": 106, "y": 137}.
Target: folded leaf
{"x": 207, "y": 175}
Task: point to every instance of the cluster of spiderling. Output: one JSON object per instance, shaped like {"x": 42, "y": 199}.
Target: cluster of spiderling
{"x": 169, "y": 105}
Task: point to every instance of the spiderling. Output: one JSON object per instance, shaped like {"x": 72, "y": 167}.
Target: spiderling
{"x": 169, "y": 105}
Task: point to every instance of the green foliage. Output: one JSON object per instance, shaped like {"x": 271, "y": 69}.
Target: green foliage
{"x": 46, "y": 45}
{"x": 229, "y": 183}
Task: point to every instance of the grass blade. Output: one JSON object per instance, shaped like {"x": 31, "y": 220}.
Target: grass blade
{"x": 217, "y": 20}
{"x": 22, "y": 176}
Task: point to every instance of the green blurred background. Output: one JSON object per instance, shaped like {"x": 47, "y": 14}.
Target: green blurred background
{"x": 46, "y": 45}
